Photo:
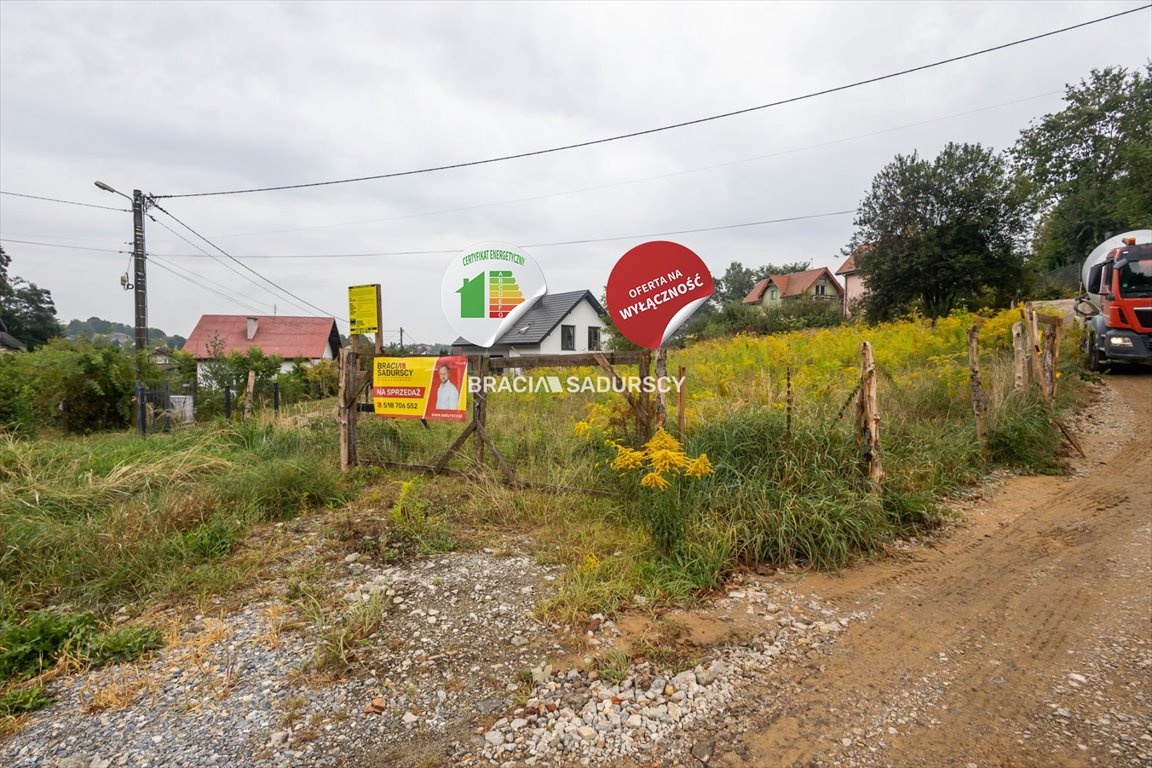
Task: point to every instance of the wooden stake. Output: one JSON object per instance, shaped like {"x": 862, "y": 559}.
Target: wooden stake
{"x": 342, "y": 417}
{"x": 379, "y": 322}
{"x": 870, "y": 415}
{"x": 248, "y": 395}
{"x": 481, "y": 412}
{"x": 680, "y": 416}
{"x": 979, "y": 402}
{"x": 1049, "y": 359}
{"x": 1035, "y": 375}
{"x": 1018, "y": 357}
{"x": 661, "y": 373}
{"x": 788, "y": 401}
{"x": 644, "y": 423}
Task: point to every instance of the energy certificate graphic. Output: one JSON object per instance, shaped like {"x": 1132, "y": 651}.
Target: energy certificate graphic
{"x": 487, "y": 288}
{"x": 501, "y": 297}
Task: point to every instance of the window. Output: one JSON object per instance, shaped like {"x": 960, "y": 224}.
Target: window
{"x": 772, "y": 295}
{"x": 820, "y": 288}
{"x": 593, "y": 339}
{"x": 568, "y": 338}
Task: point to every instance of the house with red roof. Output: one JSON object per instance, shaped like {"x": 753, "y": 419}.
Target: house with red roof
{"x": 818, "y": 284}
{"x": 305, "y": 339}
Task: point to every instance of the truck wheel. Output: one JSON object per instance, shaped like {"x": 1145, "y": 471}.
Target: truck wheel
{"x": 1094, "y": 363}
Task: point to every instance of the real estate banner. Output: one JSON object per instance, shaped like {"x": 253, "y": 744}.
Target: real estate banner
{"x": 433, "y": 388}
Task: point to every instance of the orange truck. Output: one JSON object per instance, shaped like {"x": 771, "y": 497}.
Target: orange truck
{"x": 1116, "y": 301}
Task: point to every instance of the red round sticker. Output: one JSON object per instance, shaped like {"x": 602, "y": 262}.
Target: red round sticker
{"x": 654, "y": 288}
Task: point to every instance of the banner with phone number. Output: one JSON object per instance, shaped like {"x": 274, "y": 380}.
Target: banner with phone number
{"x": 432, "y": 388}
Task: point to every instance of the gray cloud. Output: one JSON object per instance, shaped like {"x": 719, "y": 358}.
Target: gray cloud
{"x": 186, "y": 97}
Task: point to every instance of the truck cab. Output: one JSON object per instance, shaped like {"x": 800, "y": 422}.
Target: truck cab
{"x": 1119, "y": 329}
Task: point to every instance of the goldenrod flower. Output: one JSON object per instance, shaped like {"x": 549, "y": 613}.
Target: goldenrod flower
{"x": 589, "y": 563}
{"x": 582, "y": 428}
{"x": 667, "y": 461}
{"x": 662, "y": 441}
{"x": 699, "y": 466}
{"x": 655, "y": 481}
{"x": 627, "y": 458}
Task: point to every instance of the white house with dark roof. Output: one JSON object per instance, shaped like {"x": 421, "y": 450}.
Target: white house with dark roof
{"x": 557, "y": 324}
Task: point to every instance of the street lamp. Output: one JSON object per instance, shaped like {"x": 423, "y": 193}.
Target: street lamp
{"x": 138, "y": 262}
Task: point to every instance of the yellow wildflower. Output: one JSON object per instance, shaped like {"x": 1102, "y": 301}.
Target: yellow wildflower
{"x": 582, "y": 428}
{"x": 665, "y": 460}
{"x": 699, "y": 466}
{"x": 662, "y": 441}
{"x": 654, "y": 480}
{"x": 627, "y": 458}
{"x": 589, "y": 563}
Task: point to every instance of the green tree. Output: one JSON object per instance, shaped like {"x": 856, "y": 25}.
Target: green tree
{"x": 1088, "y": 168}
{"x": 943, "y": 233}
{"x": 26, "y": 310}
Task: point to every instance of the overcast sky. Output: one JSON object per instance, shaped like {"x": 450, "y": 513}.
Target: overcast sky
{"x": 176, "y": 98}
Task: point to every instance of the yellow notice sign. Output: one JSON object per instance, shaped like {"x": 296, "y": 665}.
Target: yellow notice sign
{"x": 433, "y": 388}
{"x": 364, "y": 308}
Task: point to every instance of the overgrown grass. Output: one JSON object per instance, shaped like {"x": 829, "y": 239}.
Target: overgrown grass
{"x": 101, "y": 520}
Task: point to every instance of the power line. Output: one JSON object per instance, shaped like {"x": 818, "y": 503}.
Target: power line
{"x": 686, "y": 123}
{"x": 610, "y": 185}
{"x": 209, "y": 255}
{"x": 67, "y": 202}
{"x": 59, "y": 245}
{"x": 585, "y": 241}
{"x": 283, "y": 290}
{"x": 172, "y": 269}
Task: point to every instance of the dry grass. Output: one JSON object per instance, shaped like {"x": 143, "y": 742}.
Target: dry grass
{"x": 117, "y": 688}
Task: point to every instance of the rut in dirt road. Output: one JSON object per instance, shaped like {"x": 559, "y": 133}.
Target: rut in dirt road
{"x": 1022, "y": 641}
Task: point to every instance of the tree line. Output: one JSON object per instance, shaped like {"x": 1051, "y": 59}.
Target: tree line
{"x": 973, "y": 227}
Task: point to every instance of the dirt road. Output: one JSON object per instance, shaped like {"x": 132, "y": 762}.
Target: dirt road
{"x": 1024, "y": 639}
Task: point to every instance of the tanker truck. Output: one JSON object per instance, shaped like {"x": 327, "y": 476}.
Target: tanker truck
{"x": 1115, "y": 304}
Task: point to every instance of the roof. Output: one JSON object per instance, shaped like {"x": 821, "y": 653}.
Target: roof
{"x": 541, "y": 318}
{"x": 849, "y": 265}
{"x": 8, "y": 341}
{"x": 288, "y": 337}
{"x": 795, "y": 284}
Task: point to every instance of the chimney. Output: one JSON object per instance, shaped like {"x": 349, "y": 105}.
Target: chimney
{"x": 252, "y": 323}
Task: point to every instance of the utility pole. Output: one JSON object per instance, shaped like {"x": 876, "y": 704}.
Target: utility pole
{"x": 138, "y": 280}
{"x": 139, "y": 257}
{"x": 401, "y": 341}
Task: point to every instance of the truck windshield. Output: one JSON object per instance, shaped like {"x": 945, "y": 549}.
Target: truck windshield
{"x": 1136, "y": 278}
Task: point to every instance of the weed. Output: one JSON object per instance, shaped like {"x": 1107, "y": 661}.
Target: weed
{"x": 341, "y": 641}
{"x": 613, "y": 666}
{"x": 21, "y": 700}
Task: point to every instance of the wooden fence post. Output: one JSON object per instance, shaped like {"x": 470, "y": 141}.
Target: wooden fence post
{"x": 870, "y": 415}
{"x": 644, "y": 425}
{"x": 1035, "y": 376}
{"x": 1019, "y": 359}
{"x": 680, "y": 414}
{"x": 661, "y": 373}
{"x": 480, "y": 411}
{"x": 788, "y": 401}
{"x": 979, "y": 402}
{"x": 343, "y": 417}
{"x": 1048, "y": 360}
{"x": 248, "y": 395}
